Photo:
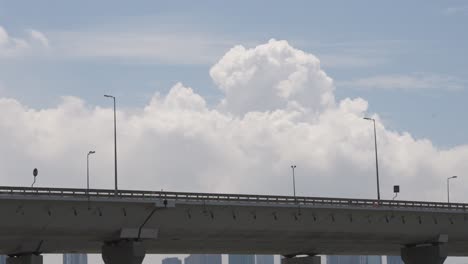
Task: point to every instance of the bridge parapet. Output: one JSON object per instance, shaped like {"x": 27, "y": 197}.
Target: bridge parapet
{"x": 64, "y": 193}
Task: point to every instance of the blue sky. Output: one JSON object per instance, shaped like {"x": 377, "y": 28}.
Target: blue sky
{"x": 408, "y": 59}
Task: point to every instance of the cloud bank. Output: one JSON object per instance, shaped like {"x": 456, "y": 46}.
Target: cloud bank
{"x": 279, "y": 109}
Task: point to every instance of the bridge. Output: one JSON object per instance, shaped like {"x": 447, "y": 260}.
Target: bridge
{"x": 126, "y": 226}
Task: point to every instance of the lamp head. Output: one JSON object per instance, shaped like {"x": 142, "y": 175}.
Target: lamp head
{"x": 368, "y": 118}
{"x": 110, "y": 96}
{"x": 91, "y": 152}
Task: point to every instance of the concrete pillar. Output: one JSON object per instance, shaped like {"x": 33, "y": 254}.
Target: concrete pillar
{"x": 301, "y": 260}
{"x": 25, "y": 259}
{"x": 123, "y": 252}
{"x": 426, "y": 254}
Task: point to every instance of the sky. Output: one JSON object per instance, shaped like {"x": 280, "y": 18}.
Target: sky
{"x": 224, "y": 97}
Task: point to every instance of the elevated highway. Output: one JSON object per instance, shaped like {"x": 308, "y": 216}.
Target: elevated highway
{"x": 56, "y": 220}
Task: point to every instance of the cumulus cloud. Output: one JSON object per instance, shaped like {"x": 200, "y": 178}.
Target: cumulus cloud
{"x": 271, "y": 76}
{"x": 178, "y": 142}
{"x": 13, "y": 46}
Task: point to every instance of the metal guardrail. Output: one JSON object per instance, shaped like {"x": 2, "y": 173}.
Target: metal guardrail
{"x": 221, "y": 197}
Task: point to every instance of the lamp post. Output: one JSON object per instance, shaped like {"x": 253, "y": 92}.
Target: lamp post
{"x": 87, "y": 174}
{"x": 448, "y": 187}
{"x": 376, "y": 157}
{"x": 115, "y": 145}
{"x": 294, "y": 181}
{"x": 35, "y": 172}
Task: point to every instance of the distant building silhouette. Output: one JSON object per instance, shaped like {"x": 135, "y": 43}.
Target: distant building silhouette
{"x": 394, "y": 260}
{"x": 342, "y": 259}
{"x": 373, "y": 259}
{"x": 241, "y": 259}
{"x": 264, "y": 259}
{"x": 75, "y": 259}
{"x": 338, "y": 259}
{"x": 203, "y": 259}
{"x": 171, "y": 261}
{"x": 2, "y": 259}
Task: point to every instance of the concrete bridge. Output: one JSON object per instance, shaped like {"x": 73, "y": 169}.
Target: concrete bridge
{"x": 126, "y": 226}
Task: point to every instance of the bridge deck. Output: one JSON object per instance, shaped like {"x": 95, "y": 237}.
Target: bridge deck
{"x": 79, "y": 220}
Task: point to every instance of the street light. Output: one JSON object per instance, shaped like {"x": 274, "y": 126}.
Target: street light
{"x": 376, "y": 159}
{"x": 87, "y": 174}
{"x": 294, "y": 181}
{"x": 35, "y": 172}
{"x": 448, "y": 187}
{"x": 115, "y": 145}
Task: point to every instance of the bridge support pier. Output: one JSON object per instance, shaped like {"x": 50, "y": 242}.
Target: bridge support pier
{"x": 123, "y": 252}
{"x": 25, "y": 259}
{"x": 424, "y": 254}
{"x": 301, "y": 260}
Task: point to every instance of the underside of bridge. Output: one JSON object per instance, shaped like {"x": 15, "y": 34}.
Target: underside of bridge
{"x": 133, "y": 252}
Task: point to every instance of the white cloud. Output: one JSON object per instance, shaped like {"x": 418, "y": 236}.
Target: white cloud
{"x": 177, "y": 142}
{"x": 164, "y": 45}
{"x": 344, "y": 60}
{"x": 270, "y": 77}
{"x": 10, "y": 46}
{"x": 453, "y": 10}
{"x": 13, "y": 46}
{"x": 355, "y": 54}
{"x": 141, "y": 45}
{"x": 4, "y": 38}
{"x": 39, "y": 36}
{"x": 406, "y": 82}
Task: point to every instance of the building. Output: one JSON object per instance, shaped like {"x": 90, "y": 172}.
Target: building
{"x": 341, "y": 259}
{"x": 203, "y": 259}
{"x": 394, "y": 260}
{"x": 75, "y": 259}
{"x": 373, "y": 259}
{"x": 264, "y": 259}
{"x": 241, "y": 259}
{"x": 2, "y": 259}
{"x": 171, "y": 261}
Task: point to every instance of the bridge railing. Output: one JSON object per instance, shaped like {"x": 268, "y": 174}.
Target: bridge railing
{"x": 222, "y": 197}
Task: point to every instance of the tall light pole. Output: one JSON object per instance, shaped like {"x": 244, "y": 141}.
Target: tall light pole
{"x": 87, "y": 173}
{"x": 294, "y": 181}
{"x": 376, "y": 157}
{"x": 448, "y": 187}
{"x": 115, "y": 145}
